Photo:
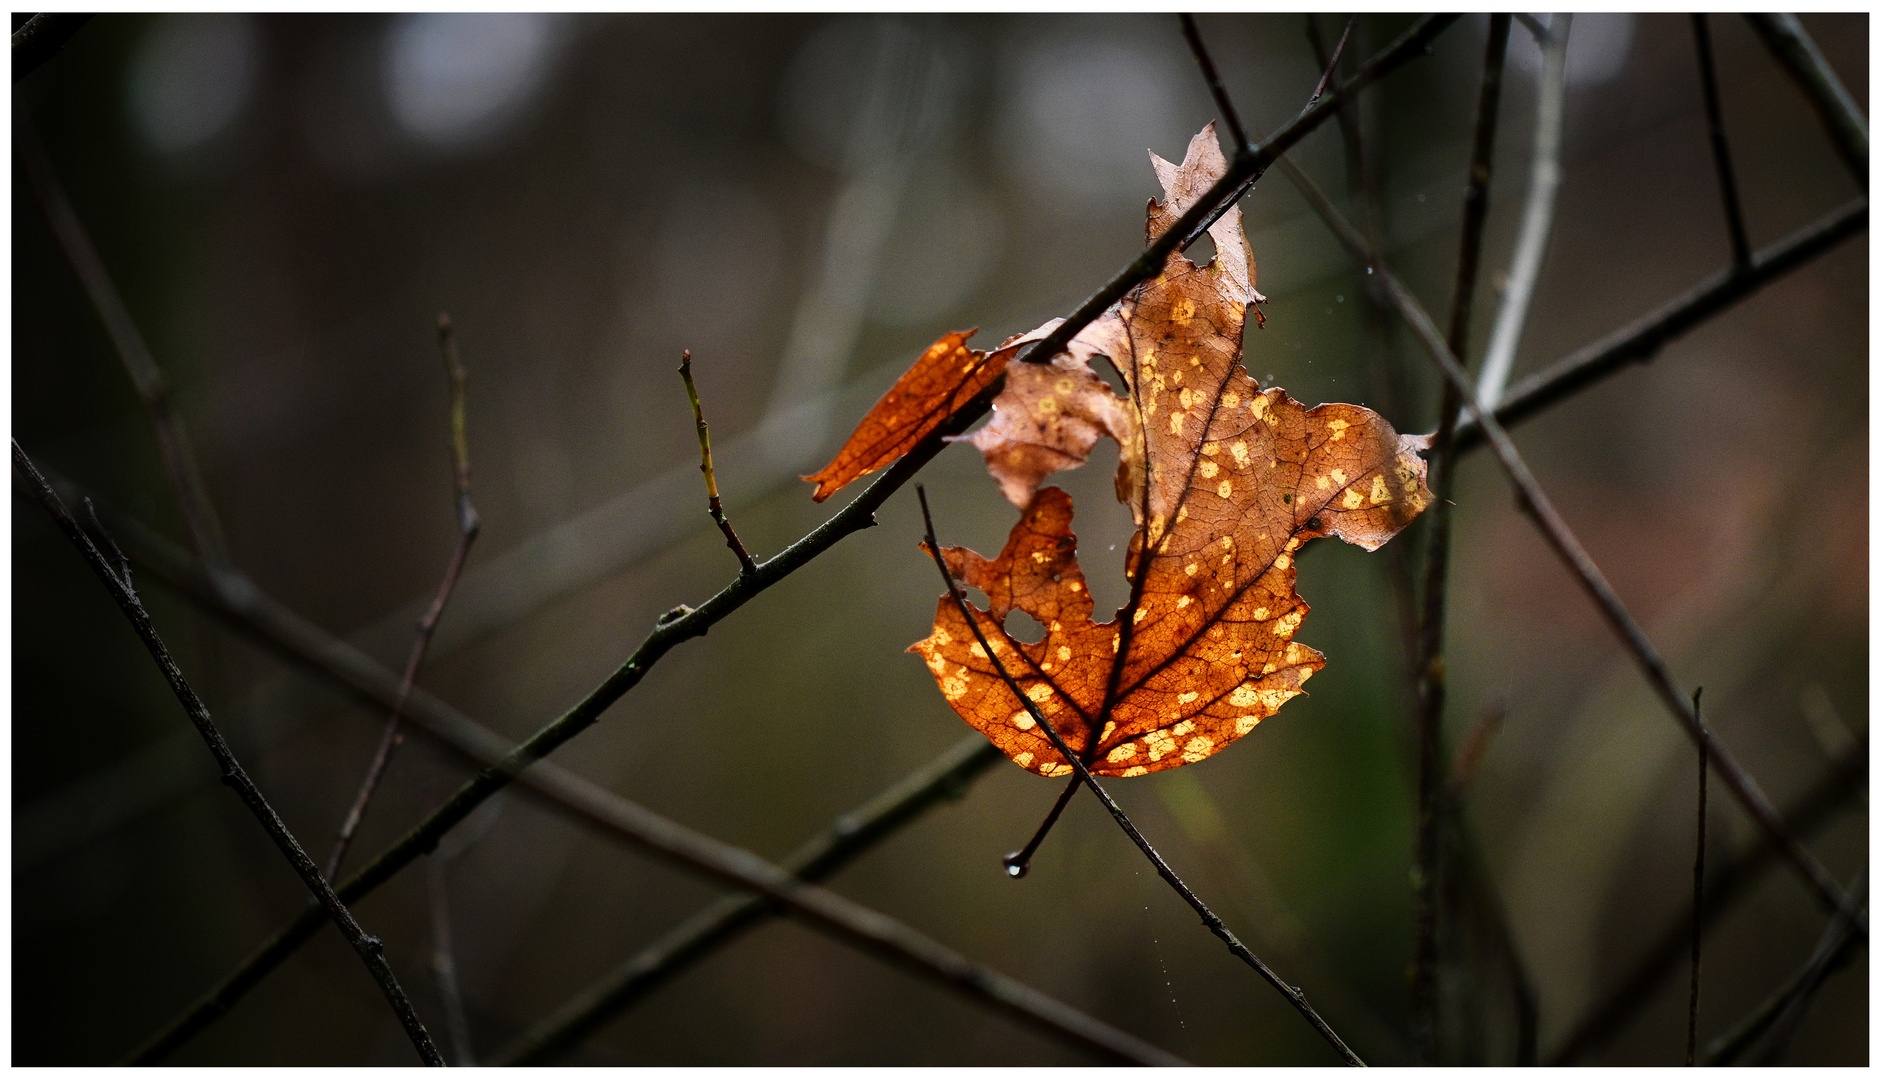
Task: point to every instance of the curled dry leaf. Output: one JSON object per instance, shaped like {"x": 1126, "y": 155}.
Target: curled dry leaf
{"x": 1226, "y": 481}
{"x": 946, "y": 377}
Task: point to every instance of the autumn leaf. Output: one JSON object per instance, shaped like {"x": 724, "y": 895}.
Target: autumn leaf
{"x": 1225, "y": 480}
{"x": 946, "y": 377}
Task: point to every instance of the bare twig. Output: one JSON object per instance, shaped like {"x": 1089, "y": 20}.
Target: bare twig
{"x": 1333, "y": 63}
{"x": 370, "y": 949}
{"x": 1729, "y": 883}
{"x": 1793, "y": 48}
{"x": 667, "y": 633}
{"x": 192, "y": 496}
{"x": 1474, "y": 744}
{"x": 1531, "y": 244}
{"x": 1643, "y": 338}
{"x": 40, "y": 38}
{"x": 1163, "y": 870}
{"x": 1535, "y": 503}
{"x": 713, "y": 506}
{"x": 1430, "y": 663}
{"x": 1019, "y": 863}
{"x": 469, "y": 523}
{"x": 1781, "y": 1013}
{"x": 1215, "y": 88}
{"x": 1698, "y": 896}
{"x": 1720, "y": 148}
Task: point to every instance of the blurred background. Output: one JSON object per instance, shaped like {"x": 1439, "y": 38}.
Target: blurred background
{"x": 287, "y": 203}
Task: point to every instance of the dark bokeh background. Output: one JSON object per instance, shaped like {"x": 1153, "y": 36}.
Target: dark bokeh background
{"x": 805, "y": 203}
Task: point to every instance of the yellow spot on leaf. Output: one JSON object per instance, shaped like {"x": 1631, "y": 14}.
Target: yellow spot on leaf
{"x": 1245, "y": 724}
{"x": 1135, "y": 770}
{"x": 1024, "y": 761}
{"x": 1121, "y": 753}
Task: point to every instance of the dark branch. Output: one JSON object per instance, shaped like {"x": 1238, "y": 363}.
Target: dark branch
{"x": 1793, "y": 48}
{"x": 713, "y": 506}
{"x": 947, "y": 777}
{"x": 1215, "y": 88}
{"x": 1083, "y": 771}
{"x": 40, "y": 38}
{"x": 369, "y": 948}
{"x": 1567, "y": 547}
{"x": 192, "y": 496}
{"x": 1332, "y": 64}
{"x": 1698, "y": 895}
{"x": 1019, "y": 863}
{"x": 444, "y": 962}
{"x": 469, "y": 523}
{"x": 1731, "y": 882}
{"x": 1720, "y": 148}
{"x": 1430, "y": 666}
{"x": 1643, "y": 338}
{"x": 1244, "y": 169}
{"x": 1781, "y": 1013}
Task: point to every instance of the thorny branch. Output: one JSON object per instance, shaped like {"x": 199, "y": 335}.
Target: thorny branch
{"x": 370, "y": 949}
{"x": 1430, "y": 662}
{"x": 1535, "y": 503}
{"x": 469, "y": 523}
{"x": 713, "y": 506}
{"x": 1163, "y": 869}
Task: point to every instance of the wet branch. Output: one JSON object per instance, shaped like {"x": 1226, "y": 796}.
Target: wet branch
{"x": 468, "y": 525}
{"x": 713, "y": 506}
{"x": 1083, "y": 771}
{"x": 1535, "y": 503}
{"x": 370, "y": 949}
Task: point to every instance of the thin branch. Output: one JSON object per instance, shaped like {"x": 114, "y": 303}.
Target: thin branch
{"x": 1640, "y": 340}
{"x": 1554, "y": 529}
{"x": 370, "y": 949}
{"x": 667, "y": 633}
{"x": 469, "y": 523}
{"x": 1531, "y": 244}
{"x": 40, "y": 38}
{"x": 1720, "y": 148}
{"x": 444, "y": 962}
{"x": 1333, "y": 64}
{"x": 713, "y": 926}
{"x": 1430, "y": 664}
{"x": 1793, "y": 48}
{"x": 1215, "y": 88}
{"x": 192, "y": 496}
{"x": 713, "y": 506}
{"x": 1781, "y": 1013}
{"x": 1698, "y": 897}
{"x": 1019, "y": 863}
{"x": 1083, "y": 771}
{"x": 1470, "y": 750}
{"x": 1732, "y": 881}
{"x": 1246, "y": 167}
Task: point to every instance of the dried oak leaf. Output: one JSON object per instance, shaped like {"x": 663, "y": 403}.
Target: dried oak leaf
{"x": 1226, "y": 482}
{"x": 946, "y": 377}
